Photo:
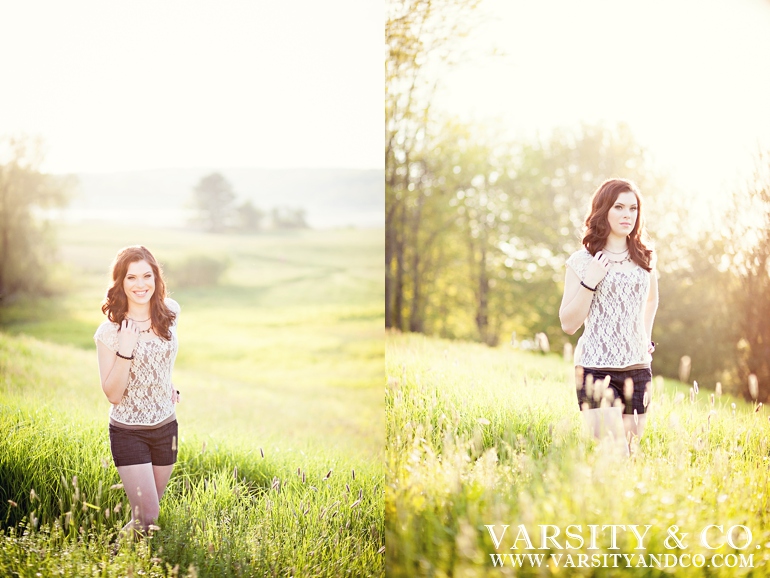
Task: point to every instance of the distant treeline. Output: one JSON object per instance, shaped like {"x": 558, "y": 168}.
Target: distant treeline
{"x": 213, "y": 199}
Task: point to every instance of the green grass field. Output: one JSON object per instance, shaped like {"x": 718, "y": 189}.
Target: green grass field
{"x": 280, "y": 368}
{"x": 481, "y": 437}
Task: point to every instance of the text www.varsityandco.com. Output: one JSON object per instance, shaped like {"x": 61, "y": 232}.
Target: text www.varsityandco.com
{"x": 623, "y": 560}
{"x": 605, "y": 537}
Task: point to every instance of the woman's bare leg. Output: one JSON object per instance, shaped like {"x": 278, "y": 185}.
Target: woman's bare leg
{"x": 140, "y": 485}
{"x": 161, "y": 475}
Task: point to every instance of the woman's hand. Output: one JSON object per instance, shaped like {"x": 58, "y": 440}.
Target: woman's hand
{"x": 128, "y": 336}
{"x": 596, "y": 270}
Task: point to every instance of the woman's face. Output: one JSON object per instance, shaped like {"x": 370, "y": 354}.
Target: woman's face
{"x": 139, "y": 283}
{"x": 623, "y": 214}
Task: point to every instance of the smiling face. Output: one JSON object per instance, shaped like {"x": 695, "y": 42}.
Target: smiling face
{"x": 623, "y": 214}
{"x": 139, "y": 283}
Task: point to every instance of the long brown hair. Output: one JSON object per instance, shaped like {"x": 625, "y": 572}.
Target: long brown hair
{"x": 597, "y": 227}
{"x": 115, "y": 304}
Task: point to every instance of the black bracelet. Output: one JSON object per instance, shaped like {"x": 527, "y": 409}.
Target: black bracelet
{"x": 587, "y": 287}
{"x": 123, "y": 356}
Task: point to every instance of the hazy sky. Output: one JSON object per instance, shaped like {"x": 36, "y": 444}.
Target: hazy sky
{"x": 691, "y": 78}
{"x": 171, "y": 84}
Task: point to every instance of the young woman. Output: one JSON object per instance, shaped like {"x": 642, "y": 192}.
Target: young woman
{"x": 137, "y": 347}
{"x": 611, "y": 286}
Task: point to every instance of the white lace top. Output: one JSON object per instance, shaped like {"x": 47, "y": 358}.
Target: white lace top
{"x": 147, "y": 399}
{"x": 614, "y": 335}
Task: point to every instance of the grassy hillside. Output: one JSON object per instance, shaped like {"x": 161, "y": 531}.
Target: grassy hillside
{"x": 234, "y": 506}
{"x": 483, "y": 437}
{"x": 290, "y": 343}
{"x": 280, "y": 368}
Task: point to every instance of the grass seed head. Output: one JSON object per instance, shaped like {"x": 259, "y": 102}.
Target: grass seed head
{"x": 578, "y": 377}
{"x": 261, "y": 453}
{"x": 692, "y": 395}
{"x": 600, "y": 388}
{"x": 636, "y": 418}
{"x": 712, "y": 400}
{"x": 685, "y": 364}
{"x": 628, "y": 388}
{"x": 718, "y": 388}
{"x": 753, "y": 386}
{"x": 328, "y": 475}
{"x": 695, "y": 386}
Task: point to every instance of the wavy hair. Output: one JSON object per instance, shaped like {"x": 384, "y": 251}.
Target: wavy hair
{"x": 115, "y": 304}
{"x": 597, "y": 227}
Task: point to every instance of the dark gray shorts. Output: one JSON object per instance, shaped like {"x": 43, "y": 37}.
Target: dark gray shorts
{"x": 642, "y": 379}
{"x": 145, "y": 446}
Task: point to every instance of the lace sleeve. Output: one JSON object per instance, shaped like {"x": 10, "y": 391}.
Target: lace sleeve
{"x": 107, "y": 333}
{"x": 578, "y": 262}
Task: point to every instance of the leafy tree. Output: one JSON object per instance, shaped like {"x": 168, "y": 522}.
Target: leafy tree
{"x": 419, "y": 36}
{"x": 248, "y": 218}
{"x": 748, "y": 254}
{"x": 213, "y": 197}
{"x": 287, "y": 218}
{"x": 698, "y": 295}
{"x": 26, "y": 240}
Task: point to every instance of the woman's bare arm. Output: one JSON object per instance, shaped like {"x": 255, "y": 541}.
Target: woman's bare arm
{"x": 577, "y": 299}
{"x": 574, "y": 304}
{"x": 651, "y": 307}
{"x": 114, "y": 370}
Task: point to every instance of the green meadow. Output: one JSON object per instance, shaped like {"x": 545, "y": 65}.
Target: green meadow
{"x": 480, "y": 438}
{"x": 281, "y": 422}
